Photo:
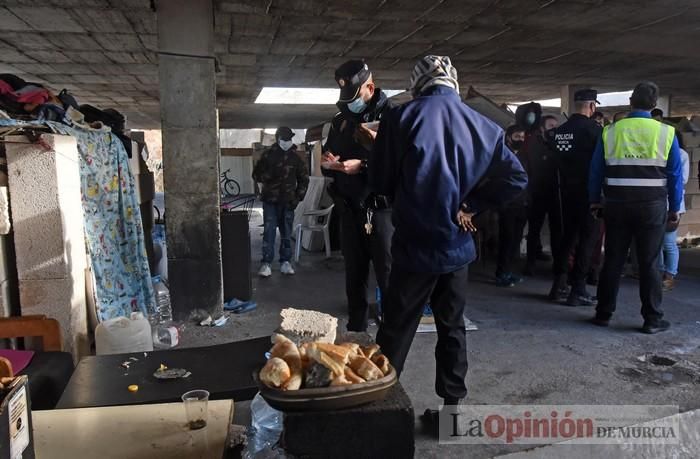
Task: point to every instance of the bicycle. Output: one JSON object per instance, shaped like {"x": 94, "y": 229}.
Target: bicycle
{"x": 229, "y": 187}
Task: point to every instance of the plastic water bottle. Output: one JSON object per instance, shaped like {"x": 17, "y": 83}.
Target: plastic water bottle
{"x": 165, "y": 335}
{"x": 164, "y": 311}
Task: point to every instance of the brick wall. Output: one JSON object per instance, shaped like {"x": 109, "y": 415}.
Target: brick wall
{"x": 690, "y": 224}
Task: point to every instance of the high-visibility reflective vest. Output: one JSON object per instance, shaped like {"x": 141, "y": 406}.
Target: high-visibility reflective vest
{"x": 636, "y": 152}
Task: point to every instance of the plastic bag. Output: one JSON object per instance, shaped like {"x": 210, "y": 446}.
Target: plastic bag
{"x": 265, "y": 431}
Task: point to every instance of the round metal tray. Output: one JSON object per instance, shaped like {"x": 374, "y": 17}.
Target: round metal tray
{"x": 327, "y": 398}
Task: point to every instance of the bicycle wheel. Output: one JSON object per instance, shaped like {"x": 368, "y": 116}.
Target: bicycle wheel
{"x": 232, "y": 188}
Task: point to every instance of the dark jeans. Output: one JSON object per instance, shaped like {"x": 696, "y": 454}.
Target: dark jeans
{"x": 511, "y": 223}
{"x": 578, "y": 237}
{"x": 646, "y": 223}
{"x": 277, "y": 216}
{"x": 543, "y": 203}
{"x": 408, "y": 293}
{"x": 358, "y": 250}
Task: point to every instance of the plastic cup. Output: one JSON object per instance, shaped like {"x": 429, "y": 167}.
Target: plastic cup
{"x": 196, "y": 402}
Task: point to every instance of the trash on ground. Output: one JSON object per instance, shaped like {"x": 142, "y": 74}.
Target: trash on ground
{"x": 171, "y": 373}
{"x": 237, "y": 306}
{"x": 220, "y": 321}
{"x": 133, "y": 388}
{"x": 206, "y": 322}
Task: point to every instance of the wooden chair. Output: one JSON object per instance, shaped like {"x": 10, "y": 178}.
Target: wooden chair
{"x": 33, "y": 326}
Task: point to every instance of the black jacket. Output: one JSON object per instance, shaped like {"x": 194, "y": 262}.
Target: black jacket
{"x": 573, "y": 144}
{"x": 353, "y": 189}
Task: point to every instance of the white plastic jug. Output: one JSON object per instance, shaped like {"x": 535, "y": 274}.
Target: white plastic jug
{"x": 122, "y": 335}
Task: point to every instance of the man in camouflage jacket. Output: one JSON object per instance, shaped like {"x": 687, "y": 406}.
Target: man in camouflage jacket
{"x": 284, "y": 180}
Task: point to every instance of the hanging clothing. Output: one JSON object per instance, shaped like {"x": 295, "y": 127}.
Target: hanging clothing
{"x": 113, "y": 228}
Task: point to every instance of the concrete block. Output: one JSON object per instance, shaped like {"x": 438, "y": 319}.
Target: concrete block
{"x": 195, "y": 284}
{"x": 48, "y": 57}
{"x": 46, "y": 19}
{"x": 193, "y": 225}
{"x": 119, "y": 42}
{"x": 380, "y": 429}
{"x": 74, "y": 42}
{"x": 686, "y": 231}
{"x": 187, "y": 92}
{"x": 691, "y": 140}
{"x": 63, "y": 300}
{"x": 104, "y": 20}
{"x": 47, "y": 215}
{"x": 46, "y": 207}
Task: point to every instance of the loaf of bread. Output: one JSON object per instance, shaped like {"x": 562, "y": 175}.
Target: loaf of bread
{"x": 382, "y": 362}
{"x": 352, "y": 376}
{"x": 6, "y": 368}
{"x": 340, "y": 354}
{"x": 370, "y": 350}
{"x": 275, "y": 373}
{"x": 340, "y": 381}
{"x": 308, "y": 326}
{"x": 286, "y": 350}
{"x": 324, "y": 359}
{"x": 354, "y": 347}
{"x": 366, "y": 368}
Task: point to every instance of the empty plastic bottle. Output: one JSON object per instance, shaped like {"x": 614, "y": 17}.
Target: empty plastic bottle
{"x": 165, "y": 335}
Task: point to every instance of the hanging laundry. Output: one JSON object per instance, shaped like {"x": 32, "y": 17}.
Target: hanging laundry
{"x": 113, "y": 227}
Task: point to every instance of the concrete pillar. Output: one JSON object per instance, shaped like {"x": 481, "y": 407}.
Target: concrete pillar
{"x": 47, "y": 220}
{"x": 190, "y": 154}
{"x": 664, "y": 103}
{"x": 567, "y": 97}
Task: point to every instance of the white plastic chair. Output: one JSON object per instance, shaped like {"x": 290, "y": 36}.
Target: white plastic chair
{"x": 314, "y": 220}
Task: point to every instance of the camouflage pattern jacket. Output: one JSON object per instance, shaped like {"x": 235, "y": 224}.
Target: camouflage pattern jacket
{"x": 283, "y": 176}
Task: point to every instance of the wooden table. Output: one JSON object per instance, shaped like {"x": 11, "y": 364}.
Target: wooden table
{"x": 156, "y": 431}
{"x": 224, "y": 370}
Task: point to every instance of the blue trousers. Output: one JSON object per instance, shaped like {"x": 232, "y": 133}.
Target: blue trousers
{"x": 275, "y": 216}
{"x": 670, "y": 253}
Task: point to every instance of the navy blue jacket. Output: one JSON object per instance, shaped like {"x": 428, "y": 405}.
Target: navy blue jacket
{"x": 432, "y": 155}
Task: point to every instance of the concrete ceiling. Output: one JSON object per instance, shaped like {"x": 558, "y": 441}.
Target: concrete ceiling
{"x": 105, "y": 51}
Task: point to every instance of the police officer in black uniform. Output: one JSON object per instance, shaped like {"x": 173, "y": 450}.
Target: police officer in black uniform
{"x": 366, "y": 228}
{"x": 573, "y": 144}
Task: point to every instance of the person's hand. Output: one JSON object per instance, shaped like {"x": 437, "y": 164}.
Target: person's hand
{"x": 464, "y": 220}
{"x": 672, "y": 221}
{"x": 365, "y": 136}
{"x": 331, "y": 161}
{"x": 597, "y": 210}
{"x": 352, "y": 166}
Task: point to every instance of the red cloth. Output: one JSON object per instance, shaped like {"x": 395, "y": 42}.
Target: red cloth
{"x": 18, "y": 359}
{"x": 5, "y": 88}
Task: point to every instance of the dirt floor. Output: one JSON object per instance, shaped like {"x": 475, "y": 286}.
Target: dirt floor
{"x": 526, "y": 350}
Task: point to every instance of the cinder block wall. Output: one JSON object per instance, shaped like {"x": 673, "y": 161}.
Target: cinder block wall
{"x": 690, "y": 223}
{"x": 47, "y": 216}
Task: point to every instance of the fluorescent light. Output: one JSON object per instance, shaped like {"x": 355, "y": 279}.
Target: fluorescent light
{"x": 608, "y": 99}
{"x": 306, "y": 96}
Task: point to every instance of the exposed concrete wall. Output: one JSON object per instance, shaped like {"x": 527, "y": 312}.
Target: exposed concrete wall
{"x": 47, "y": 216}
{"x": 190, "y": 157}
{"x": 690, "y": 222}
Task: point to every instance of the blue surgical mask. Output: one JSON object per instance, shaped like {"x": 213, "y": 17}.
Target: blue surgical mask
{"x": 530, "y": 118}
{"x": 357, "y": 106}
{"x": 285, "y": 144}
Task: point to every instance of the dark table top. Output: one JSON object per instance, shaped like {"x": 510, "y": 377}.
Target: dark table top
{"x": 225, "y": 370}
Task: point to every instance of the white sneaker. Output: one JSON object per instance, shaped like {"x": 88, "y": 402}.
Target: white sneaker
{"x": 287, "y": 269}
{"x": 265, "y": 270}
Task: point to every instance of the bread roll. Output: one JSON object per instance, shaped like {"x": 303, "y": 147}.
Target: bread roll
{"x": 338, "y": 353}
{"x": 340, "y": 381}
{"x": 352, "y": 376}
{"x": 6, "y": 368}
{"x": 382, "y": 362}
{"x": 354, "y": 348}
{"x": 285, "y": 349}
{"x": 324, "y": 359}
{"x": 275, "y": 373}
{"x": 370, "y": 350}
{"x": 365, "y": 368}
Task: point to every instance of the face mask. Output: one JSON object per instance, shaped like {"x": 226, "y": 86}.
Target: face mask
{"x": 285, "y": 144}
{"x": 530, "y": 118}
{"x": 357, "y": 106}
{"x": 516, "y": 144}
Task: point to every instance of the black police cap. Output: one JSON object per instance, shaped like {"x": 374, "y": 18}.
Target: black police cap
{"x": 350, "y": 77}
{"x": 586, "y": 95}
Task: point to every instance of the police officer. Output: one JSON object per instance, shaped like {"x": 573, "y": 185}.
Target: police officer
{"x": 573, "y": 144}
{"x": 637, "y": 164}
{"x": 366, "y": 228}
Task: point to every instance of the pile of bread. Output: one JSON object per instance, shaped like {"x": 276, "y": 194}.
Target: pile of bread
{"x": 320, "y": 364}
